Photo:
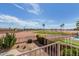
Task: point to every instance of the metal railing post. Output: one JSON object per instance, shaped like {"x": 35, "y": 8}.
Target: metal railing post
{"x": 76, "y": 51}
{"x": 50, "y": 51}
{"x": 58, "y": 49}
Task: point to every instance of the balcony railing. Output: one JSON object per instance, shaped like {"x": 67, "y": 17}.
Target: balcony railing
{"x": 54, "y": 49}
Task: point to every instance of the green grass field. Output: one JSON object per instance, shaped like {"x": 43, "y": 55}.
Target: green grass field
{"x": 45, "y": 32}
{"x": 67, "y": 41}
{"x": 49, "y": 32}
{"x": 73, "y": 42}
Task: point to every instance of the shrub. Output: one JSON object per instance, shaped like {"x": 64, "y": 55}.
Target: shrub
{"x": 37, "y": 36}
{"x": 41, "y": 40}
{"x": 29, "y": 41}
{"x": 1, "y": 42}
{"x": 67, "y": 51}
{"x": 8, "y": 41}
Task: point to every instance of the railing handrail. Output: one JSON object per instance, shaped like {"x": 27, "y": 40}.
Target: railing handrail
{"x": 48, "y": 46}
{"x": 38, "y": 48}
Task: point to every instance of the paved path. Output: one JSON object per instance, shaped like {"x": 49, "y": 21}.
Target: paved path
{"x": 57, "y": 36}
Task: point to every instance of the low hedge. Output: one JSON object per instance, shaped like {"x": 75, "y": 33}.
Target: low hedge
{"x": 41, "y": 40}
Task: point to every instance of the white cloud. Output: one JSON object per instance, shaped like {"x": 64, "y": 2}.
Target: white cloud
{"x": 70, "y": 25}
{"x": 28, "y": 23}
{"x": 9, "y": 19}
{"x": 35, "y": 9}
{"x": 5, "y": 20}
{"x": 19, "y": 22}
{"x": 18, "y": 6}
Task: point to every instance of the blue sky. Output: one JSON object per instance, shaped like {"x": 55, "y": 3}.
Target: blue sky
{"x": 31, "y": 15}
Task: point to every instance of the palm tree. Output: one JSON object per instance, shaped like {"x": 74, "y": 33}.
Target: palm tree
{"x": 43, "y": 29}
{"x": 43, "y": 26}
{"x": 61, "y": 26}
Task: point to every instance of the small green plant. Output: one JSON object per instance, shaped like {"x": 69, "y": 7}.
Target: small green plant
{"x": 7, "y": 41}
{"x": 1, "y": 42}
